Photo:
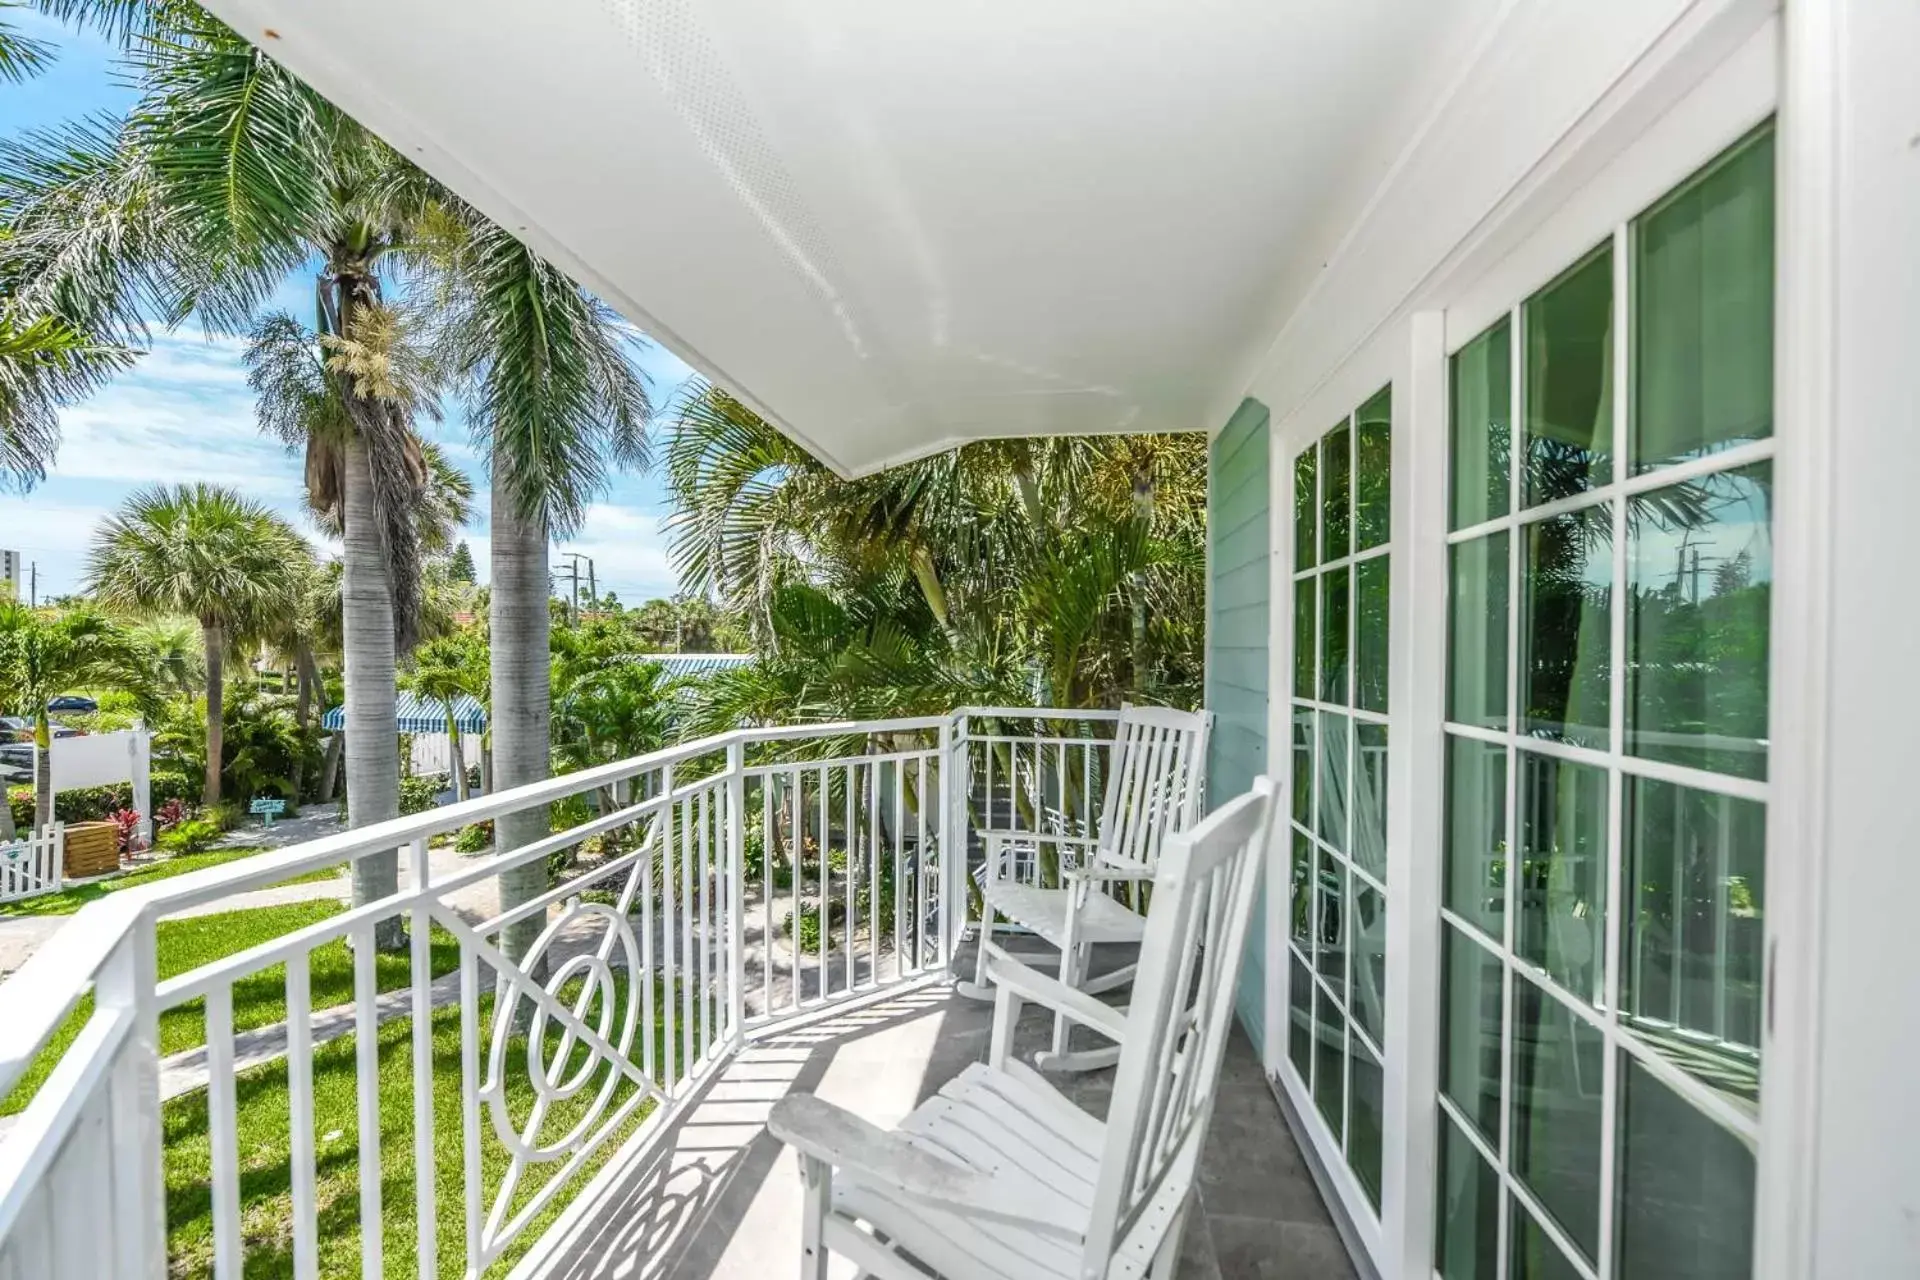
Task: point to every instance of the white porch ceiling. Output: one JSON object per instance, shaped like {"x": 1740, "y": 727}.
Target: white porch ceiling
{"x": 895, "y": 225}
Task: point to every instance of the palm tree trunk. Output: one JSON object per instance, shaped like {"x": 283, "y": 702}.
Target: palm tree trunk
{"x": 210, "y": 635}
{"x": 301, "y": 691}
{"x": 373, "y": 760}
{"x": 522, "y": 695}
{"x": 456, "y": 758}
{"x": 330, "y": 766}
{"x": 42, "y": 767}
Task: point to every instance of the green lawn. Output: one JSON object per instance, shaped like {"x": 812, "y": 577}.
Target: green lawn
{"x": 263, "y": 1109}
{"x": 259, "y": 999}
{"x": 68, "y": 901}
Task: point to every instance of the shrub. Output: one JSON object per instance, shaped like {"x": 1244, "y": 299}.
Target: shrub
{"x": 417, "y": 795}
{"x": 170, "y": 784}
{"x": 190, "y": 836}
{"x": 474, "y": 837}
{"x": 171, "y": 814}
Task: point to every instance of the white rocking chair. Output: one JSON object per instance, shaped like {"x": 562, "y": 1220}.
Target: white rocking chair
{"x": 1153, "y": 788}
{"x": 999, "y": 1176}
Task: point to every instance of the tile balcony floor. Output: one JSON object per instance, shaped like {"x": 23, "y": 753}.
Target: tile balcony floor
{"x": 719, "y": 1199}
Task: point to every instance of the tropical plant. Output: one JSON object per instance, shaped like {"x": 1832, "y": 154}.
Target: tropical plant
{"x": 444, "y": 670}
{"x": 43, "y": 653}
{"x": 555, "y": 399}
{"x": 1067, "y": 571}
{"x": 206, "y": 552}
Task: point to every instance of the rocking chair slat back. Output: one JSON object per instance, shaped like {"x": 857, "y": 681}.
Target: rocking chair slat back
{"x": 1153, "y": 782}
{"x": 1177, "y": 1024}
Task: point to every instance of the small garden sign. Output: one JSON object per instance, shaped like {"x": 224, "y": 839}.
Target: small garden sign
{"x": 268, "y": 807}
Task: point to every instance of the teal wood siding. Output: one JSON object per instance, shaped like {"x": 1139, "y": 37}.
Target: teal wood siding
{"x": 1239, "y": 542}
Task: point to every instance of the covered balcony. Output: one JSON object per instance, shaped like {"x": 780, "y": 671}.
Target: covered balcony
{"x": 733, "y": 919}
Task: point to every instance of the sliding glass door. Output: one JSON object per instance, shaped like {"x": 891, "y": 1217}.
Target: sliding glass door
{"x": 1602, "y": 877}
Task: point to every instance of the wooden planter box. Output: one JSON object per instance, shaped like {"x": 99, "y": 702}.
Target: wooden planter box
{"x": 93, "y": 849}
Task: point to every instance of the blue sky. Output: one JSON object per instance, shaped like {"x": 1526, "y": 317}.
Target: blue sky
{"x": 183, "y": 412}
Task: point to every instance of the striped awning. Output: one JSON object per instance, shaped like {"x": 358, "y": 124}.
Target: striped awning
{"x": 415, "y": 714}
{"x": 696, "y": 664}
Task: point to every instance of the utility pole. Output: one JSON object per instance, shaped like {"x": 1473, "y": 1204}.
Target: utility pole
{"x": 33, "y": 584}
{"x": 573, "y": 559}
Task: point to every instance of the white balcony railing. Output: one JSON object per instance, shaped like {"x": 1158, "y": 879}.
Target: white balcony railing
{"x": 315, "y": 1104}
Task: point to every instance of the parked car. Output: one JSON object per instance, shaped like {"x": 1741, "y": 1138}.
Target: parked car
{"x": 16, "y": 762}
{"x": 20, "y": 729}
{"x": 74, "y": 702}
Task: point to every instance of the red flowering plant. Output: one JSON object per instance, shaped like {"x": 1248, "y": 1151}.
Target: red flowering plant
{"x": 170, "y": 814}
{"x": 128, "y": 820}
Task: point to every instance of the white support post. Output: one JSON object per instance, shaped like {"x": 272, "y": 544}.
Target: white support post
{"x": 1416, "y": 798}
{"x": 127, "y": 981}
{"x": 953, "y": 838}
{"x": 736, "y": 820}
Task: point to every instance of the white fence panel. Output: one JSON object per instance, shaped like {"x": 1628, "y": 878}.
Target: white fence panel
{"x": 31, "y": 867}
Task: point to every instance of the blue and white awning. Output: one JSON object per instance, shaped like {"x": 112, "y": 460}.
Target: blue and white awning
{"x": 696, "y": 664}
{"x": 415, "y": 714}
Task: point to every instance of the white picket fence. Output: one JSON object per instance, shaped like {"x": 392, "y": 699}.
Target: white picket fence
{"x": 744, "y": 879}
{"x": 31, "y": 867}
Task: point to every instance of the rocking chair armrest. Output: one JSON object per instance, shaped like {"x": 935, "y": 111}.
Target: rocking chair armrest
{"x": 999, "y": 835}
{"x": 1111, "y": 874}
{"x": 817, "y": 1128}
{"x": 1030, "y": 985}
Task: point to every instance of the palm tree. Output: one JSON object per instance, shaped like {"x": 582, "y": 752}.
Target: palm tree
{"x": 43, "y": 654}
{"x": 443, "y": 670}
{"x": 552, "y": 393}
{"x": 207, "y": 552}
{"x": 228, "y": 174}
{"x": 45, "y": 363}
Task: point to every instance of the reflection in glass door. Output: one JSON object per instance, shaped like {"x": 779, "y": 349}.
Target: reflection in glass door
{"x": 1337, "y": 936}
{"x": 1606, "y": 754}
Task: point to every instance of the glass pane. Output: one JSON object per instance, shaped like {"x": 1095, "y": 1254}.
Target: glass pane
{"x": 1566, "y": 603}
{"x": 1686, "y": 1188}
{"x": 1306, "y": 505}
{"x": 1303, "y": 770}
{"x": 1477, "y": 633}
{"x": 1563, "y": 879}
{"x": 1370, "y": 797}
{"x": 1372, "y": 483}
{"x": 1476, "y": 835}
{"x": 1329, "y": 1062}
{"x": 1699, "y": 586}
{"x": 1336, "y": 599}
{"x": 1569, "y": 381}
{"x": 1330, "y": 920}
{"x": 1370, "y": 599}
{"x": 1558, "y": 1064}
{"x": 1301, "y": 900}
{"x": 1470, "y": 1004}
{"x": 1482, "y": 426}
{"x": 1534, "y": 1254}
{"x": 1367, "y": 933}
{"x": 1300, "y": 1016}
{"x": 1466, "y": 1231}
{"x": 1336, "y": 497}
{"x": 1304, "y": 598}
{"x": 1693, "y": 954}
{"x": 1333, "y": 780}
{"x": 1369, "y": 1115}
{"x": 1703, "y": 313}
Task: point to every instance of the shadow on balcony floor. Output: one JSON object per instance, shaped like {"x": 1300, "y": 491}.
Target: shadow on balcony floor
{"x": 717, "y": 1198}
